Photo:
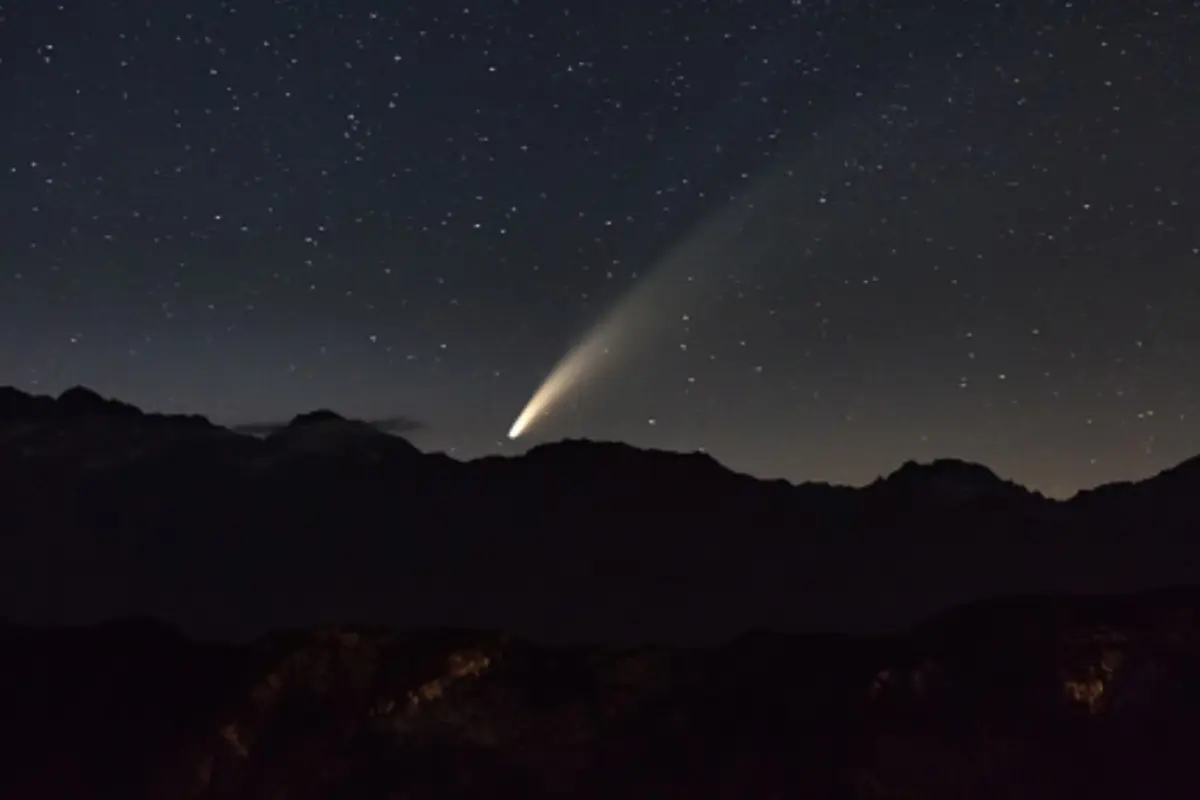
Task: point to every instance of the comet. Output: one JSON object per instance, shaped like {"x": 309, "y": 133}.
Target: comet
{"x": 785, "y": 212}
{"x": 769, "y": 217}
{"x": 568, "y": 373}
{"x": 676, "y": 286}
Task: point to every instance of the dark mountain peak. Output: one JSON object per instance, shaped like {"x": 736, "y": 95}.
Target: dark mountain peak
{"x": 949, "y": 481}
{"x": 1169, "y": 492}
{"x": 329, "y": 433}
{"x": 591, "y": 465}
{"x": 328, "y": 421}
{"x": 81, "y": 397}
{"x": 581, "y": 448}
{"x": 78, "y": 402}
{"x": 82, "y": 430}
{"x": 607, "y": 453}
{"x": 1188, "y": 470}
{"x": 324, "y": 423}
{"x": 15, "y": 404}
{"x": 945, "y": 469}
{"x": 81, "y": 401}
{"x": 581, "y": 471}
{"x": 321, "y": 415}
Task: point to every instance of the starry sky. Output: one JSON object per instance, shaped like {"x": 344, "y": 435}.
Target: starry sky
{"x": 958, "y": 228}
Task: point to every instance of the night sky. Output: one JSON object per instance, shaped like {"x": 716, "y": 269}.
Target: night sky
{"x": 877, "y": 231}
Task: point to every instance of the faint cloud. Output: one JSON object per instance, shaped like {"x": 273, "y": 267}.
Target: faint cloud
{"x": 391, "y": 425}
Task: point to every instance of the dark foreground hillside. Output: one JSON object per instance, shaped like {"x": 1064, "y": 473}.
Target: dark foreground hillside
{"x": 1035, "y": 698}
{"x": 106, "y": 512}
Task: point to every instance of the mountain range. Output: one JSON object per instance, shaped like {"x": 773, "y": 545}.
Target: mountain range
{"x": 110, "y": 512}
{"x": 320, "y": 610}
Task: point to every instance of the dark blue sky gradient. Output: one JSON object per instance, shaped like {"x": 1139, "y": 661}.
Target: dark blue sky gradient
{"x": 987, "y": 249}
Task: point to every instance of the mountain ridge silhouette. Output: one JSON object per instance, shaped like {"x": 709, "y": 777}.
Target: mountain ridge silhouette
{"x": 113, "y": 512}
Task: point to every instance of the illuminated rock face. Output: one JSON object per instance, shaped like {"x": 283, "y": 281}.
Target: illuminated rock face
{"x": 1093, "y": 677}
{"x": 1043, "y": 698}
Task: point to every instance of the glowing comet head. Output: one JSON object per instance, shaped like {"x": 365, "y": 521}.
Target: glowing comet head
{"x": 538, "y": 404}
{"x": 566, "y": 375}
{"x": 527, "y": 415}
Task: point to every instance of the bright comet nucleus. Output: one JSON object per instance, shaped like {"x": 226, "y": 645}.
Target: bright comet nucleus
{"x": 566, "y": 375}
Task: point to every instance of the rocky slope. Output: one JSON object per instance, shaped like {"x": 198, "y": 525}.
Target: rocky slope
{"x": 1021, "y": 698}
{"x": 109, "y": 512}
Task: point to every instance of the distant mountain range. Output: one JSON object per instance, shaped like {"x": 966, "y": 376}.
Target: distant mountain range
{"x": 109, "y": 512}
